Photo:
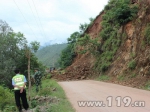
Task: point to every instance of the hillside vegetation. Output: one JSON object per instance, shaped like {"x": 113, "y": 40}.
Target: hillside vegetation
{"x": 50, "y": 55}
{"x": 115, "y": 46}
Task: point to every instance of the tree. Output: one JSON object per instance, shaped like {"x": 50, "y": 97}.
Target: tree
{"x": 9, "y": 52}
{"x": 12, "y": 53}
{"x": 83, "y": 27}
{"x": 73, "y": 38}
{"x": 67, "y": 56}
{"x": 33, "y": 47}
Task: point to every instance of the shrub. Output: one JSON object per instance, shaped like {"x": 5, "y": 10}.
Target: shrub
{"x": 147, "y": 85}
{"x": 147, "y": 34}
{"x": 132, "y": 64}
{"x": 133, "y": 75}
{"x": 105, "y": 33}
{"x": 9, "y": 109}
{"x": 105, "y": 66}
{"x": 103, "y": 77}
{"x": 88, "y": 44}
{"x": 34, "y": 103}
{"x": 123, "y": 14}
{"x": 6, "y": 98}
{"x": 121, "y": 77}
{"x": 83, "y": 41}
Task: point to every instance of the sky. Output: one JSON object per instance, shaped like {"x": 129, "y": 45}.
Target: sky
{"x": 49, "y": 21}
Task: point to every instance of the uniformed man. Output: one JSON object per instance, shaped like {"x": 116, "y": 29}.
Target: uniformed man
{"x": 19, "y": 83}
{"x": 37, "y": 79}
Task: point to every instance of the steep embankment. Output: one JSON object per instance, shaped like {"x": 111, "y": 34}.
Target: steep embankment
{"x": 82, "y": 66}
{"x": 131, "y": 63}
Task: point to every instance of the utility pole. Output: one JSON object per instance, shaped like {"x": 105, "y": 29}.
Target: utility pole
{"x": 28, "y": 54}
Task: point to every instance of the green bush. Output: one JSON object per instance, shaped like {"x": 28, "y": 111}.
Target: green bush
{"x": 48, "y": 76}
{"x": 88, "y": 45}
{"x": 106, "y": 32}
{"x": 147, "y": 34}
{"x": 103, "y": 77}
{"x": 132, "y": 64}
{"x": 83, "y": 51}
{"x": 133, "y": 75}
{"x": 9, "y": 108}
{"x": 123, "y": 14}
{"x": 84, "y": 40}
{"x": 104, "y": 67}
{"x": 121, "y": 77}
{"x": 6, "y": 98}
{"x": 34, "y": 103}
{"x": 147, "y": 85}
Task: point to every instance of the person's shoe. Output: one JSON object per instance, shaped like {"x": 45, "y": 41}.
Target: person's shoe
{"x": 20, "y": 110}
{"x": 26, "y": 109}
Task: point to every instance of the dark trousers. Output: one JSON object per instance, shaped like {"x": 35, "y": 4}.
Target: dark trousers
{"x": 38, "y": 83}
{"x": 21, "y": 96}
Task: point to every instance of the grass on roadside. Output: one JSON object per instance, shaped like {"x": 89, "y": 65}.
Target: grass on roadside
{"x": 103, "y": 78}
{"x": 147, "y": 85}
{"x": 121, "y": 77}
{"x": 51, "y": 88}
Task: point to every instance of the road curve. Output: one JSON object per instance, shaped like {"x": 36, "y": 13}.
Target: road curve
{"x": 96, "y": 96}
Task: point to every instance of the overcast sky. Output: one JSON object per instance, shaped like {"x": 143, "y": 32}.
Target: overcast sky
{"x": 49, "y": 21}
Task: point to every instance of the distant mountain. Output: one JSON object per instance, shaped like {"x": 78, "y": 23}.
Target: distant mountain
{"x": 49, "y": 55}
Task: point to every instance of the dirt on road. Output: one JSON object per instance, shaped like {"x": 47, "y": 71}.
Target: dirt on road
{"x": 96, "y": 96}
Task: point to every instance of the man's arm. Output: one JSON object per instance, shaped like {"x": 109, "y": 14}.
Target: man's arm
{"x": 21, "y": 89}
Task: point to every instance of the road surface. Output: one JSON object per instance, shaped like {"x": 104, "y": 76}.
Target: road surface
{"x": 96, "y": 96}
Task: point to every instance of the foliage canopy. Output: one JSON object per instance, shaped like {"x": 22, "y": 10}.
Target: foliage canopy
{"x": 14, "y": 53}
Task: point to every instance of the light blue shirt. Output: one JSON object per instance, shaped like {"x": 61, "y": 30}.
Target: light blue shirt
{"x": 13, "y": 83}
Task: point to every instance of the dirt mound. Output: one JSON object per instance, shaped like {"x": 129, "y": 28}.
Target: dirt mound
{"x": 80, "y": 69}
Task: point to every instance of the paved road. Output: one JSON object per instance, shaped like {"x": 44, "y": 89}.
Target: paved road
{"x": 113, "y": 96}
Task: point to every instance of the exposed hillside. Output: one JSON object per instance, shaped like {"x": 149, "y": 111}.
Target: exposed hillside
{"x": 124, "y": 49}
{"x": 49, "y": 55}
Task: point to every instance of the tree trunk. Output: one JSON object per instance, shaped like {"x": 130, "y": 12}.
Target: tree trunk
{"x": 29, "y": 78}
